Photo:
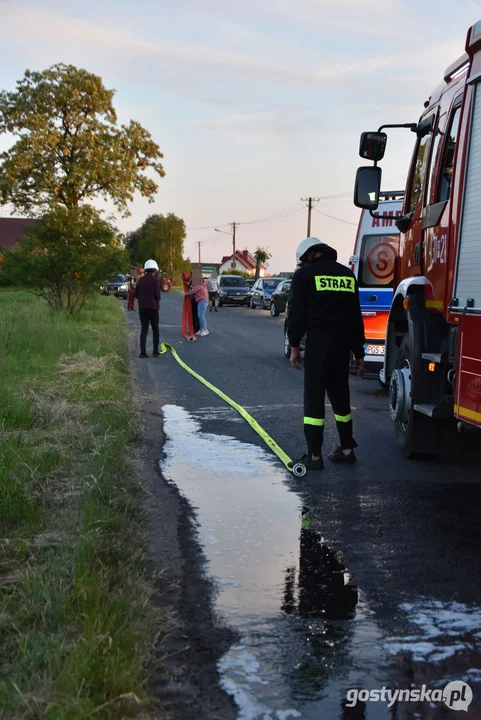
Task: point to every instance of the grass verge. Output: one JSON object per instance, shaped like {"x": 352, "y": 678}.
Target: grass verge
{"x": 76, "y": 624}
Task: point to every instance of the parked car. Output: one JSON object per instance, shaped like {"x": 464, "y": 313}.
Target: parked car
{"x": 116, "y": 285}
{"x": 233, "y": 289}
{"x": 262, "y": 291}
{"x": 279, "y": 298}
{"x": 287, "y": 344}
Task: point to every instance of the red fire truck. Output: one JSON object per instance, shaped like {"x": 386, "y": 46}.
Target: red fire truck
{"x": 433, "y": 341}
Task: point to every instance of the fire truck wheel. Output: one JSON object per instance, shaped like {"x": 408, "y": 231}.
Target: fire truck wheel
{"x": 414, "y": 431}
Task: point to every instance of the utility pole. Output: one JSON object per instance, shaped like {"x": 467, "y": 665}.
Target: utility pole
{"x": 310, "y": 202}
{"x": 199, "y": 243}
{"x": 233, "y": 244}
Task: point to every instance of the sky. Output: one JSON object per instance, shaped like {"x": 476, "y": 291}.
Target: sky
{"x": 254, "y": 105}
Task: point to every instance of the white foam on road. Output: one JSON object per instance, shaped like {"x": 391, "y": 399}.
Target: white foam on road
{"x": 445, "y": 630}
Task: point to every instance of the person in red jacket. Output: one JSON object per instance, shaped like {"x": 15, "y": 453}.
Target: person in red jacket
{"x": 147, "y": 292}
{"x": 201, "y": 296}
{"x": 131, "y": 302}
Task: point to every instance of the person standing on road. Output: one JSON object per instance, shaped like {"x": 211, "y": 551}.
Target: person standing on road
{"x": 147, "y": 292}
{"x": 325, "y": 306}
{"x": 213, "y": 288}
{"x": 131, "y": 301}
{"x": 200, "y": 295}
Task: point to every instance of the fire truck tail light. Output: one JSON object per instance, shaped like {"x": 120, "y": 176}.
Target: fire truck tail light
{"x": 432, "y": 367}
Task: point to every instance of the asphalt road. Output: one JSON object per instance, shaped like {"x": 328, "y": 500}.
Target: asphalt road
{"x": 408, "y": 533}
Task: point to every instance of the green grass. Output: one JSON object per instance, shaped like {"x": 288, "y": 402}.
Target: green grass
{"x": 76, "y": 626}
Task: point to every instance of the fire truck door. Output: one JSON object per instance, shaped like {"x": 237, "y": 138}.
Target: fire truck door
{"x": 467, "y": 286}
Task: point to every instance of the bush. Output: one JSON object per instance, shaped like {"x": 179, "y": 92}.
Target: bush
{"x": 66, "y": 257}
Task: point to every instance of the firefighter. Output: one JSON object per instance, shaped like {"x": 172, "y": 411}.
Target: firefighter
{"x": 325, "y": 307}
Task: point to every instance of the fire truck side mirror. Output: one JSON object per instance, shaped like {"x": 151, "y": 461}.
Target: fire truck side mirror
{"x": 403, "y": 223}
{"x": 367, "y": 187}
{"x": 372, "y": 146}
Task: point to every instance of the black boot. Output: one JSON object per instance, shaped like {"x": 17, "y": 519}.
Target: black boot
{"x": 339, "y": 457}
{"x": 310, "y": 464}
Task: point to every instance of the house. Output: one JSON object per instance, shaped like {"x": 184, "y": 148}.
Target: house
{"x": 11, "y": 231}
{"x": 244, "y": 261}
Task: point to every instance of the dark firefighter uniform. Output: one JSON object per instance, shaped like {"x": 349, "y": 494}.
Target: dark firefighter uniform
{"x": 325, "y": 305}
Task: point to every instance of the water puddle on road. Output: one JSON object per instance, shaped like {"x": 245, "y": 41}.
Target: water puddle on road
{"x": 307, "y": 635}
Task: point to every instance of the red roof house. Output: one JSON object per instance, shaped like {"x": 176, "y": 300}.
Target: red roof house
{"x": 243, "y": 261}
{"x": 11, "y": 231}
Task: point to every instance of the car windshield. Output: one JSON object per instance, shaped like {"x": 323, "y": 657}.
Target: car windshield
{"x": 233, "y": 282}
{"x": 117, "y": 279}
{"x": 285, "y": 288}
{"x": 272, "y": 283}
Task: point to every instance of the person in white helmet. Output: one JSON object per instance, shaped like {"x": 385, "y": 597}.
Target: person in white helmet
{"x": 147, "y": 292}
{"x": 325, "y": 306}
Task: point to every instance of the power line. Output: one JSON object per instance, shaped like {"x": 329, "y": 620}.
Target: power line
{"x": 293, "y": 208}
{"x": 280, "y": 220}
{"x": 346, "y": 222}
{"x": 266, "y": 219}
{"x": 275, "y": 215}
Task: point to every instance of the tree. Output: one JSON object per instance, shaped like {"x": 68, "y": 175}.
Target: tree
{"x": 66, "y": 257}
{"x": 241, "y": 273}
{"x": 162, "y": 239}
{"x": 69, "y": 148}
{"x": 262, "y": 257}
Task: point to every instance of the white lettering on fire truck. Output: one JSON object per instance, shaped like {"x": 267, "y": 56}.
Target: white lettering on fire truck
{"x": 437, "y": 250}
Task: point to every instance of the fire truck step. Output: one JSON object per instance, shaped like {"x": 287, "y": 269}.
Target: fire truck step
{"x": 442, "y": 410}
{"x": 432, "y": 357}
{"x": 425, "y": 409}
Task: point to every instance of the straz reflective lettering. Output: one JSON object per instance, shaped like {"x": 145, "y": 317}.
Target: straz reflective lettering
{"x": 329, "y": 282}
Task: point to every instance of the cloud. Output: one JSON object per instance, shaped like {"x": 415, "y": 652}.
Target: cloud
{"x": 56, "y": 32}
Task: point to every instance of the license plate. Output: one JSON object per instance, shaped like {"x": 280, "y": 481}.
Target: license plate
{"x": 374, "y": 349}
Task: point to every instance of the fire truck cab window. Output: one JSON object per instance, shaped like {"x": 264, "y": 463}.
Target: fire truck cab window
{"x": 447, "y": 166}
{"x": 433, "y": 173}
{"x": 419, "y": 172}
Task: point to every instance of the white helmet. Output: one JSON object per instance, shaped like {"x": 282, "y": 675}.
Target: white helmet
{"x": 151, "y": 265}
{"x": 304, "y": 247}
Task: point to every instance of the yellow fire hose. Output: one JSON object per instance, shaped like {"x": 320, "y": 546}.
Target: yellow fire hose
{"x": 297, "y": 469}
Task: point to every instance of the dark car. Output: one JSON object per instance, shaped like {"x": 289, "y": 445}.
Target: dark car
{"x": 250, "y": 284}
{"x": 279, "y": 298}
{"x": 262, "y": 291}
{"x": 116, "y": 285}
{"x": 287, "y": 344}
{"x": 233, "y": 290}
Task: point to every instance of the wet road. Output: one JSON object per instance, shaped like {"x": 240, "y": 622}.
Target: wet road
{"x": 356, "y": 578}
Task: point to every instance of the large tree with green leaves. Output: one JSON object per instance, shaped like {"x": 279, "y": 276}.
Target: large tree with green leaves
{"x": 68, "y": 146}
{"x": 162, "y": 239}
